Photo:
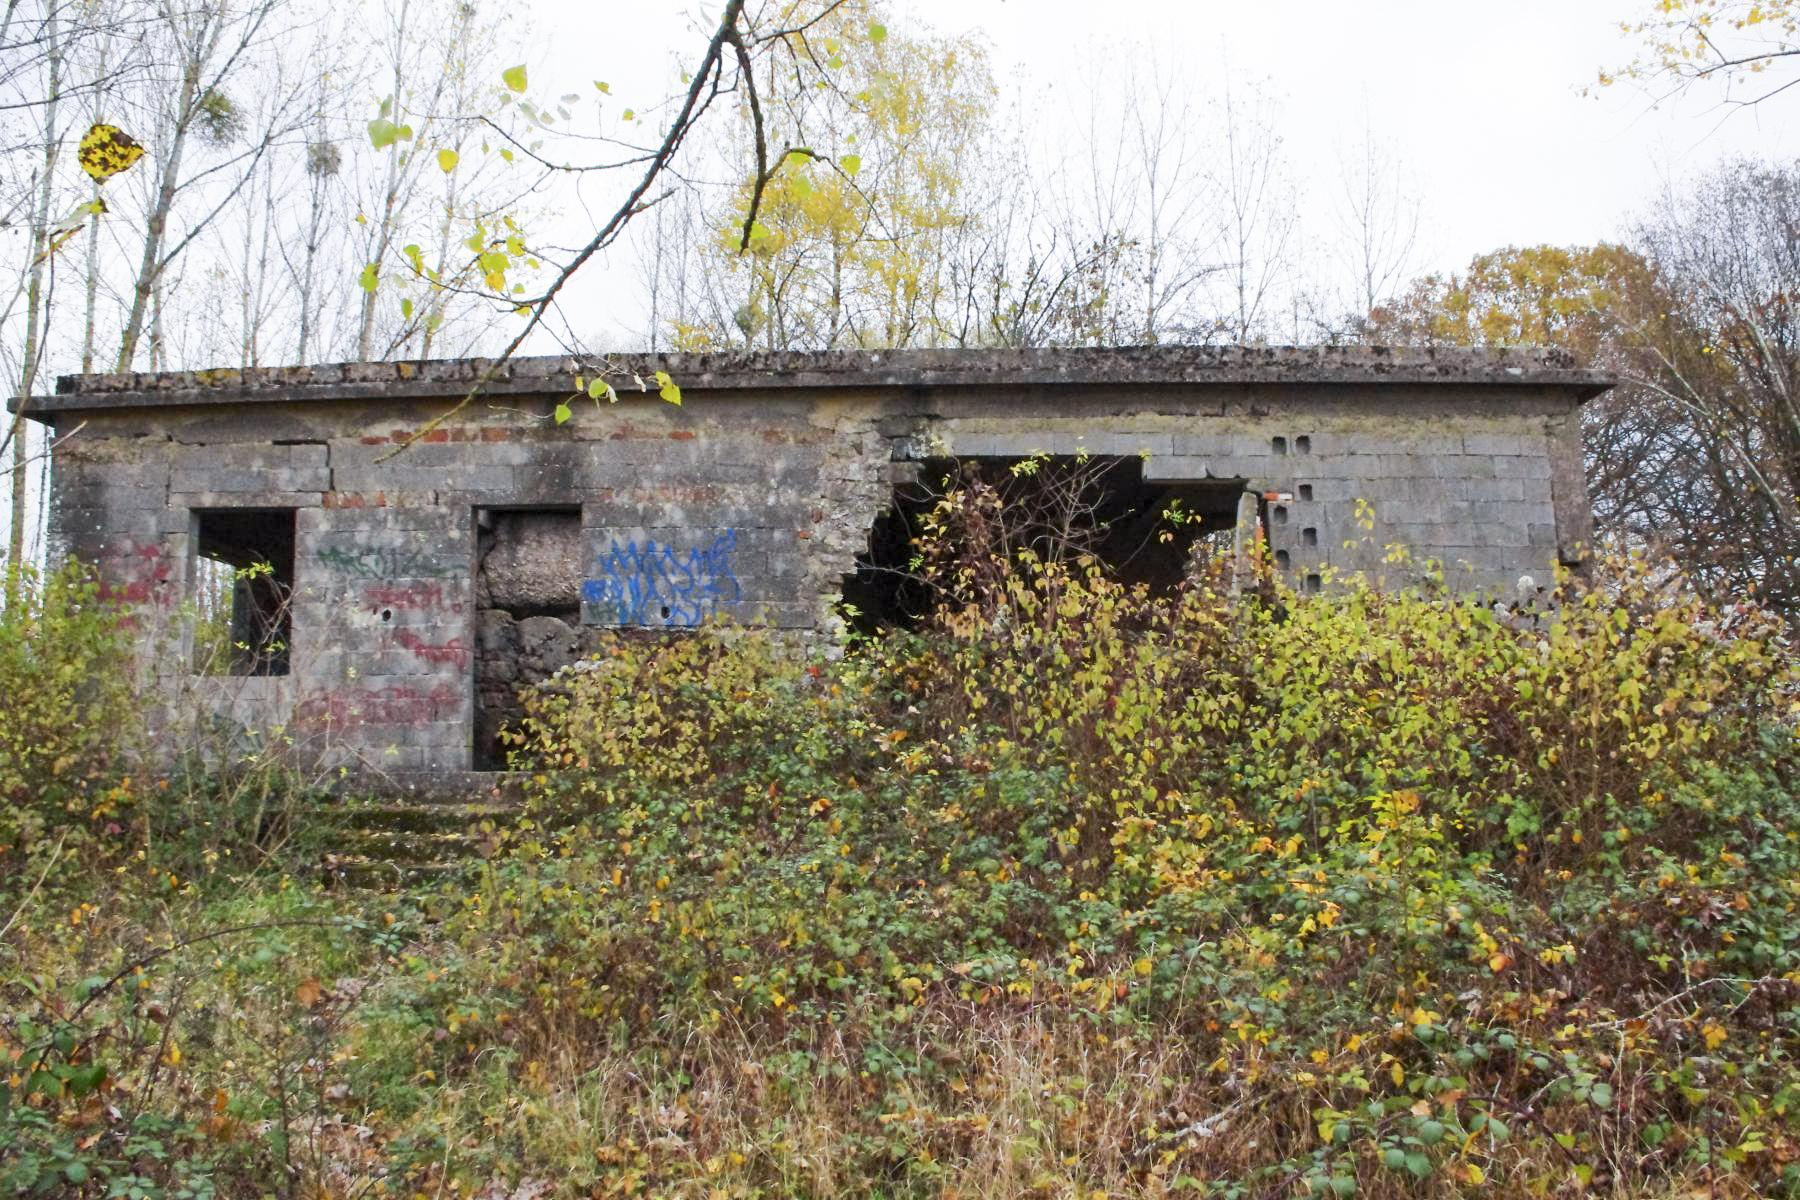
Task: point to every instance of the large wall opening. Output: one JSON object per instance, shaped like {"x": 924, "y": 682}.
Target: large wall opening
{"x": 1060, "y": 508}
{"x": 244, "y": 590}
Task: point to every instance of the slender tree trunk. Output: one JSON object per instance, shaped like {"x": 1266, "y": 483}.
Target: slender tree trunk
{"x": 36, "y": 304}
{"x": 365, "y": 333}
{"x": 150, "y": 266}
{"x": 91, "y": 286}
{"x": 90, "y": 278}
{"x": 318, "y": 169}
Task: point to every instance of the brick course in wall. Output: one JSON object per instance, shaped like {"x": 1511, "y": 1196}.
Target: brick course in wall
{"x": 753, "y": 499}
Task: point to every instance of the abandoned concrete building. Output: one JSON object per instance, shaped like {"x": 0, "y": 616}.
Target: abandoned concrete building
{"x": 396, "y": 566}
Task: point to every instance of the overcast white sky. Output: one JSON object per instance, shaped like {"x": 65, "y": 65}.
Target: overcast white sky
{"x": 1483, "y": 99}
{"x": 1482, "y": 102}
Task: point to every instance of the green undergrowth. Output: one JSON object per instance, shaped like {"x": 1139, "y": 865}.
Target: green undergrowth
{"x": 1074, "y": 893}
{"x": 1408, "y": 897}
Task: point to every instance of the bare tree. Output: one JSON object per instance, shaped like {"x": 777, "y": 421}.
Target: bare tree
{"x": 1376, "y": 220}
{"x": 1727, "y": 251}
{"x": 46, "y": 79}
{"x": 202, "y": 50}
{"x": 36, "y": 302}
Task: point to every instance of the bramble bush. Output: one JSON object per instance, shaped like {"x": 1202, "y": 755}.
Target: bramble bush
{"x": 73, "y": 781}
{"x": 1405, "y": 894}
{"x": 1075, "y": 891}
{"x": 69, "y": 711}
{"x": 163, "y": 1028}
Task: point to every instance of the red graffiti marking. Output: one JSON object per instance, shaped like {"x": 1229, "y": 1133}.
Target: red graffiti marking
{"x": 398, "y": 704}
{"x": 142, "y": 573}
{"x": 451, "y": 651}
{"x": 409, "y": 595}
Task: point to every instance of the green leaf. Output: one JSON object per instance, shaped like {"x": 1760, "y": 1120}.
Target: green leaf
{"x": 597, "y": 388}
{"x": 368, "y": 278}
{"x": 84, "y": 1081}
{"x": 667, "y": 389}
{"x": 878, "y": 33}
{"x": 563, "y": 414}
{"x": 514, "y": 77}
{"x": 1601, "y": 1095}
{"x": 384, "y": 133}
{"x": 447, "y": 160}
{"x": 852, "y": 163}
{"x": 406, "y": 310}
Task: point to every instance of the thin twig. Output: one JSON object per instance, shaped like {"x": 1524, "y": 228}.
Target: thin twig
{"x": 54, "y": 855}
{"x": 708, "y": 74}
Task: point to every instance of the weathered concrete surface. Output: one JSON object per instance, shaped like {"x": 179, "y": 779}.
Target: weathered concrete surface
{"x": 530, "y": 561}
{"x": 1212, "y": 365}
{"x": 749, "y": 502}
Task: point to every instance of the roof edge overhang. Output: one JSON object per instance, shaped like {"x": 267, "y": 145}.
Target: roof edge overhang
{"x": 1082, "y": 367}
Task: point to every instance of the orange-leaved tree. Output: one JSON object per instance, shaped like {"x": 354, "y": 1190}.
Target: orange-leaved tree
{"x": 1692, "y": 453}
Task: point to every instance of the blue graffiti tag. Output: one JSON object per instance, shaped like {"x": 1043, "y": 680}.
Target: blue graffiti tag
{"x": 650, "y": 584}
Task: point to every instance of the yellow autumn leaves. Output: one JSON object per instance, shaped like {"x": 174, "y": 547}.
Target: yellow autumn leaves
{"x": 107, "y": 150}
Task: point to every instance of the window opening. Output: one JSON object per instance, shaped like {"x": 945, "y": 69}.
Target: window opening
{"x": 244, "y": 590}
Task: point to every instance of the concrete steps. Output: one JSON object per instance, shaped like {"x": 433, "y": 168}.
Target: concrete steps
{"x": 401, "y": 831}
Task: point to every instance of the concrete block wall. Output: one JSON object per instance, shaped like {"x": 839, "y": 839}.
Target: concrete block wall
{"x": 1455, "y": 477}
{"x": 751, "y": 513}
{"x": 752, "y": 501}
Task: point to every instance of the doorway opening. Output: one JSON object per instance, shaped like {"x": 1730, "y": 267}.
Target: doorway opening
{"x": 528, "y": 570}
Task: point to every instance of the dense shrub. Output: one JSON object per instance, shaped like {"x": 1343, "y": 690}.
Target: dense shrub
{"x": 66, "y": 679}
{"x": 1442, "y": 894}
{"x": 1076, "y": 891}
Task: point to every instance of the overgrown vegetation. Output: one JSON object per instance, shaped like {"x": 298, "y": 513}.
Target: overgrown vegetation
{"x": 1079, "y": 892}
{"x": 65, "y": 726}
